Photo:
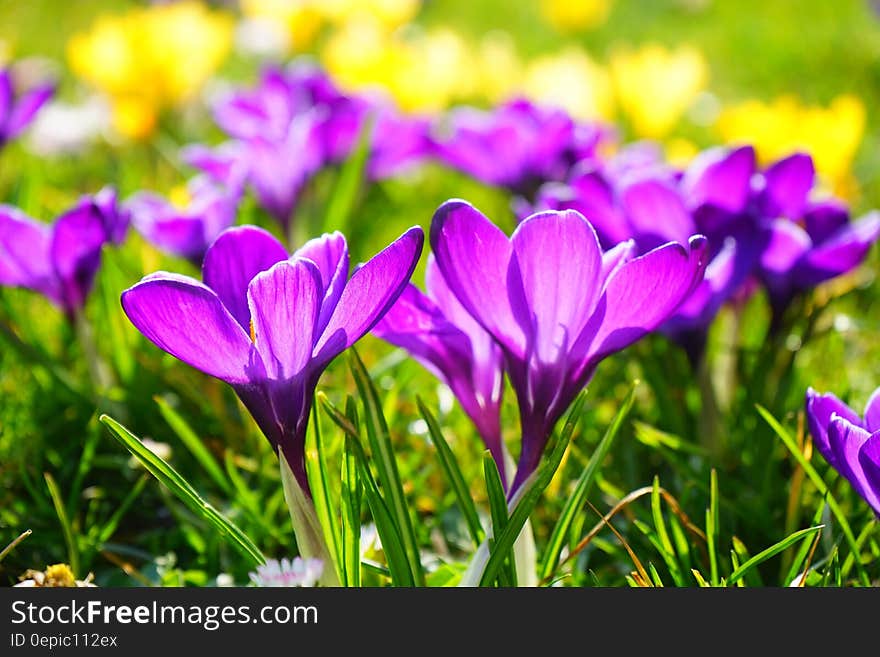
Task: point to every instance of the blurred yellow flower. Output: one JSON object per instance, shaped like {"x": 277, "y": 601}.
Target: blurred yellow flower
{"x": 152, "y": 58}
{"x": 679, "y": 151}
{"x": 390, "y": 14}
{"x": 574, "y": 15}
{"x": 422, "y": 71}
{"x": 300, "y": 20}
{"x": 497, "y": 68}
{"x": 654, "y": 86}
{"x": 830, "y": 134}
{"x": 572, "y": 81}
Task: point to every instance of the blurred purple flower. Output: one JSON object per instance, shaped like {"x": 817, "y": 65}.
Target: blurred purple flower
{"x": 18, "y": 108}
{"x": 850, "y": 444}
{"x": 59, "y": 260}
{"x": 517, "y": 145}
{"x": 269, "y": 325}
{"x": 185, "y": 229}
{"x": 555, "y": 303}
{"x": 807, "y": 242}
{"x": 438, "y": 332}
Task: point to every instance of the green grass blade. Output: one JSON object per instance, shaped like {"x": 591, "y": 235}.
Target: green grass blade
{"x": 351, "y": 518}
{"x": 392, "y": 543}
{"x": 539, "y": 482}
{"x": 193, "y": 443}
{"x": 319, "y": 477}
{"x": 797, "y": 564}
{"x": 771, "y": 551}
{"x": 712, "y": 529}
{"x": 453, "y": 474}
{"x": 582, "y": 489}
{"x": 386, "y": 465}
{"x": 498, "y": 510}
{"x": 348, "y": 183}
{"x": 172, "y": 480}
{"x": 820, "y": 485}
{"x": 108, "y": 529}
{"x": 66, "y": 527}
{"x": 667, "y": 550}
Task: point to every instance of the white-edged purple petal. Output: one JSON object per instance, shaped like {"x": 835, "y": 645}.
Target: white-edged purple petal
{"x": 872, "y": 412}
{"x": 819, "y": 409}
{"x": 846, "y": 441}
{"x": 869, "y": 460}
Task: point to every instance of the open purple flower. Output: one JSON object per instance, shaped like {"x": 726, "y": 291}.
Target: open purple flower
{"x": 59, "y": 260}
{"x": 807, "y": 242}
{"x": 269, "y": 324}
{"x": 187, "y": 227}
{"x": 555, "y": 303}
{"x": 850, "y": 444}
{"x": 438, "y": 332}
{"x": 18, "y": 108}
{"x": 518, "y": 145}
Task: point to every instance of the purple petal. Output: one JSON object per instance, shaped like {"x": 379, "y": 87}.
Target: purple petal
{"x": 226, "y": 164}
{"x": 6, "y": 96}
{"x": 284, "y": 304}
{"x": 656, "y": 213}
{"x": 233, "y": 260}
{"x": 26, "y": 107}
{"x": 824, "y": 219}
{"x": 846, "y": 441}
{"x": 560, "y": 264}
{"x": 474, "y": 256}
{"x": 787, "y": 244}
{"x": 330, "y": 253}
{"x": 641, "y": 295}
{"x": 594, "y": 198}
{"x": 869, "y": 460}
{"x": 787, "y": 184}
{"x": 872, "y": 412}
{"x": 163, "y": 226}
{"x": 77, "y": 239}
{"x": 842, "y": 252}
{"x": 188, "y": 320}
{"x": 25, "y": 259}
{"x": 819, "y": 411}
{"x": 371, "y": 291}
{"x": 616, "y": 257}
{"x": 720, "y": 178}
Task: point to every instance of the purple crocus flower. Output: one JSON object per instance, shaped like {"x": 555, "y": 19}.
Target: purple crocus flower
{"x": 807, "y": 242}
{"x": 850, "y": 444}
{"x": 518, "y": 145}
{"x": 185, "y": 231}
{"x": 555, "y": 303}
{"x": 17, "y": 111}
{"x": 438, "y": 332}
{"x": 59, "y": 260}
{"x": 269, "y": 324}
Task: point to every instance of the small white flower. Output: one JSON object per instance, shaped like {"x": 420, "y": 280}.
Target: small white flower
{"x": 299, "y": 572}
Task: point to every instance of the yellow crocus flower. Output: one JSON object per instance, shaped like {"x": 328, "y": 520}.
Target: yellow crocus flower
{"x": 831, "y": 134}
{"x": 575, "y": 15}
{"x": 150, "y": 59}
{"x": 572, "y": 81}
{"x": 655, "y": 86}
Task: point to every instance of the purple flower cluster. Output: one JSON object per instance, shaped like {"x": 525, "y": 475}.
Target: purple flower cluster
{"x": 60, "y": 260}
{"x": 763, "y": 226}
{"x": 293, "y": 124}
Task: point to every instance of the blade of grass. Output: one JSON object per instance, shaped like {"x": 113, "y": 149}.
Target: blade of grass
{"x": 193, "y": 443}
{"x": 9, "y": 548}
{"x": 319, "y": 477}
{"x": 542, "y": 477}
{"x": 712, "y": 528}
{"x": 453, "y": 474}
{"x": 820, "y": 485}
{"x": 110, "y": 526}
{"x": 66, "y": 527}
{"x": 181, "y": 488}
{"x": 392, "y": 543}
{"x": 498, "y": 510}
{"x": 351, "y": 518}
{"x": 796, "y": 565}
{"x": 386, "y": 465}
{"x": 771, "y": 551}
{"x": 582, "y": 489}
